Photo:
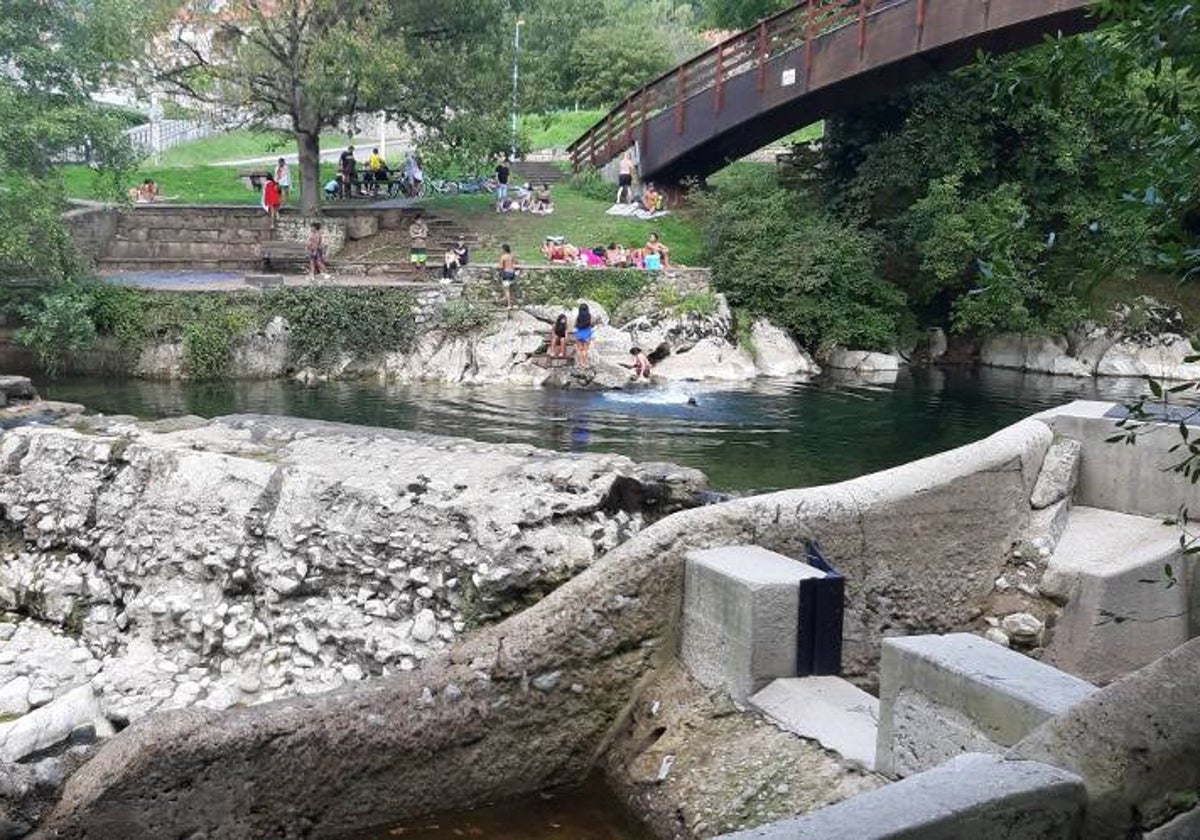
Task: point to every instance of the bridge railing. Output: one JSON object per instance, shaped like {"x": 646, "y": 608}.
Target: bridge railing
{"x": 747, "y": 52}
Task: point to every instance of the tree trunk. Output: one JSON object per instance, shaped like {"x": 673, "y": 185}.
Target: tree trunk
{"x": 309, "y": 145}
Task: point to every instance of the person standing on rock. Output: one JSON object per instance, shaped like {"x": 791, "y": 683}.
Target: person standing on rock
{"x": 508, "y": 273}
{"x": 271, "y": 199}
{"x": 283, "y": 177}
{"x": 558, "y": 338}
{"x": 418, "y": 232}
{"x": 583, "y": 334}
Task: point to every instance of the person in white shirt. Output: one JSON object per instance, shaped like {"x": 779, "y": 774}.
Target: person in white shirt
{"x": 283, "y": 178}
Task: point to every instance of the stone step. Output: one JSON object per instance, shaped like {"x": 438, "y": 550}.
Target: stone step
{"x": 837, "y": 714}
{"x": 1120, "y": 613}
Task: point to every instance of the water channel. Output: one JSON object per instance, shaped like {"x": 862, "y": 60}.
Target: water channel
{"x": 753, "y": 437}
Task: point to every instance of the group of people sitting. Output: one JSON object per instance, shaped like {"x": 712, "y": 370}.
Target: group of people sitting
{"x": 527, "y": 200}
{"x": 145, "y": 192}
{"x": 653, "y": 256}
{"x": 585, "y": 328}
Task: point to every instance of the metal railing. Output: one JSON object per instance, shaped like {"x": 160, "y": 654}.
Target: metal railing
{"x": 747, "y": 52}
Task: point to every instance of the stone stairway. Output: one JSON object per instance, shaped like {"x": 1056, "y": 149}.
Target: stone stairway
{"x": 539, "y": 172}
{"x": 183, "y": 238}
{"x": 1119, "y": 613}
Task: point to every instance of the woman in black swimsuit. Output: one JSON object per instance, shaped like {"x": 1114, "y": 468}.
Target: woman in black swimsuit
{"x": 558, "y": 338}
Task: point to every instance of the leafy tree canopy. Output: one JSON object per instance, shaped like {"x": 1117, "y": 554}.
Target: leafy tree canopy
{"x": 310, "y": 64}
{"x": 55, "y": 56}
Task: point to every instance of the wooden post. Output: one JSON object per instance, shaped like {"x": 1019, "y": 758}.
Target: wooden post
{"x": 719, "y": 96}
{"x": 762, "y": 57}
{"x": 680, "y": 93}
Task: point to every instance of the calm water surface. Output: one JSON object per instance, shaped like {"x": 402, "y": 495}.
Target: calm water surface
{"x": 764, "y": 435}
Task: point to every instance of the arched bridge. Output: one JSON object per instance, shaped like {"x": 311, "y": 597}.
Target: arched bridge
{"x": 814, "y": 60}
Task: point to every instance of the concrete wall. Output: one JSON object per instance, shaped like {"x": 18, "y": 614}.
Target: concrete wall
{"x": 974, "y": 796}
{"x": 1115, "y": 476}
{"x": 944, "y": 695}
{"x": 1136, "y": 745}
{"x": 92, "y": 226}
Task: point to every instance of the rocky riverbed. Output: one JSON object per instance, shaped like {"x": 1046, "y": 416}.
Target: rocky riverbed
{"x": 248, "y": 558}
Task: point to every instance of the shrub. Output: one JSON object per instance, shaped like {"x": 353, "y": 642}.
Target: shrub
{"x": 774, "y": 255}
{"x": 464, "y": 316}
{"x": 329, "y": 321}
{"x": 60, "y": 323}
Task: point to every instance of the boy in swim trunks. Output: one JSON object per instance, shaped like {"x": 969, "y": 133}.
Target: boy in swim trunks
{"x": 508, "y": 273}
{"x": 418, "y": 232}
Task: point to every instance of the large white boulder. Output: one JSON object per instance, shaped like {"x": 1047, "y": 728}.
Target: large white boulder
{"x": 52, "y": 724}
{"x": 777, "y": 354}
{"x": 1036, "y": 353}
{"x": 1163, "y": 358}
{"x": 710, "y": 358}
{"x": 864, "y": 361}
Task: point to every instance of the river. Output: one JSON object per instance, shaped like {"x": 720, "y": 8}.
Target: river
{"x": 765, "y": 435}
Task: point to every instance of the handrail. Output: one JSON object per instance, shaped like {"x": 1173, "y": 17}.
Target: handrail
{"x": 748, "y": 50}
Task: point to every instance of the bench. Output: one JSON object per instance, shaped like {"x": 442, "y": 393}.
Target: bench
{"x": 279, "y": 253}
{"x": 253, "y": 180}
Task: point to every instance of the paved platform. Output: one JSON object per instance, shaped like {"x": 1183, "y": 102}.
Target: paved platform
{"x": 829, "y": 710}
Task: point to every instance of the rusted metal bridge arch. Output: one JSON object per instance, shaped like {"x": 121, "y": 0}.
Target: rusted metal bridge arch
{"x": 814, "y": 60}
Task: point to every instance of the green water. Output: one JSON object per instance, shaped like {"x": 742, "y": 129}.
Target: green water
{"x": 764, "y": 435}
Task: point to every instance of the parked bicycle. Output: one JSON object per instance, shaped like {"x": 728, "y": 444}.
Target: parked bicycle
{"x": 464, "y": 186}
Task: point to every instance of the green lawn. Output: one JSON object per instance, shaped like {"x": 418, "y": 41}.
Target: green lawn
{"x": 556, "y": 130}
{"x": 580, "y": 219}
{"x": 239, "y": 145}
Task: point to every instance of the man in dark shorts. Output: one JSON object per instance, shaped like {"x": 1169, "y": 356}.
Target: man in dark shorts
{"x": 625, "y": 180}
{"x": 508, "y": 273}
{"x": 347, "y": 164}
{"x": 418, "y": 232}
{"x": 502, "y": 173}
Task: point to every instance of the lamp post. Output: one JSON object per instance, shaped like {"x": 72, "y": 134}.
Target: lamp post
{"x": 516, "y": 81}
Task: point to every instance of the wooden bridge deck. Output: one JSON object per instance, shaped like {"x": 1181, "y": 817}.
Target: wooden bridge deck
{"x": 814, "y": 60}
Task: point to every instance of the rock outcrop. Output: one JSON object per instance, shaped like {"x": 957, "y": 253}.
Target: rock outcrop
{"x": 253, "y": 558}
{"x": 1141, "y": 340}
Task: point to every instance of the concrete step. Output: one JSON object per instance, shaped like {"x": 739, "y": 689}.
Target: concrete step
{"x": 1119, "y": 613}
{"x": 835, "y": 713}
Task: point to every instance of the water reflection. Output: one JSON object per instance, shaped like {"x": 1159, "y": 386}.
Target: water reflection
{"x": 766, "y": 434}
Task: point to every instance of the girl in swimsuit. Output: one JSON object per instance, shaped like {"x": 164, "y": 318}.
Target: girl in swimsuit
{"x": 583, "y": 334}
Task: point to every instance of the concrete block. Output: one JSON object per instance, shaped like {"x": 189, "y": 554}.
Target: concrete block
{"x": 1119, "y": 613}
{"x": 837, "y": 714}
{"x": 1134, "y": 743}
{"x": 1059, "y": 475}
{"x": 1130, "y": 479}
{"x": 944, "y": 695}
{"x": 740, "y": 617}
{"x": 980, "y": 797}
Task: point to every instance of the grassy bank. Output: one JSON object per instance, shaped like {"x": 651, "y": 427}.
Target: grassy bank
{"x": 578, "y": 217}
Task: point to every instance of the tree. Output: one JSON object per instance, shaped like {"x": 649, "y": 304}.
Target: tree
{"x": 577, "y": 52}
{"x": 311, "y": 64}
{"x": 740, "y": 14}
{"x": 55, "y": 55}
